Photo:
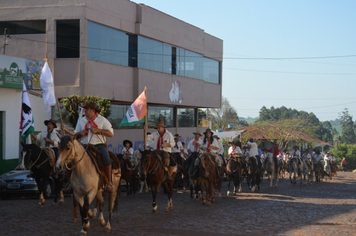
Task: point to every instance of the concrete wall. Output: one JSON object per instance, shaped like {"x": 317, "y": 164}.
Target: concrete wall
{"x": 11, "y": 105}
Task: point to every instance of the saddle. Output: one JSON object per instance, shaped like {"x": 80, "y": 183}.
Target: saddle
{"x": 95, "y": 156}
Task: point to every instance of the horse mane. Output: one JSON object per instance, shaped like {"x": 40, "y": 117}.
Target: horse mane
{"x": 64, "y": 140}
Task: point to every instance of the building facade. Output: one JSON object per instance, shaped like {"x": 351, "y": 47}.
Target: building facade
{"x": 116, "y": 48}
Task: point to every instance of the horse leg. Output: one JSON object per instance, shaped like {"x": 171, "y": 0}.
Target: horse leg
{"x": 228, "y": 188}
{"x": 202, "y": 190}
{"x": 84, "y": 214}
{"x": 41, "y": 188}
{"x": 277, "y": 179}
{"x": 154, "y": 194}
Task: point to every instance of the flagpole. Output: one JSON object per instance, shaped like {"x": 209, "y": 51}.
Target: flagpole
{"x": 145, "y": 126}
{"x": 55, "y": 94}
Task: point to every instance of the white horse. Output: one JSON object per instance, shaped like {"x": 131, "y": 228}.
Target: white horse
{"x": 272, "y": 169}
{"x": 87, "y": 182}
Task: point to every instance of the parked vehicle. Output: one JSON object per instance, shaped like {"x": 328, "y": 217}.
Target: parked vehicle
{"x": 16, "y": 182}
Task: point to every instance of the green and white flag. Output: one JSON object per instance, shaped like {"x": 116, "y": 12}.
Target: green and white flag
{"x": 136, "y": 112}
{"x": 26, "y": 124}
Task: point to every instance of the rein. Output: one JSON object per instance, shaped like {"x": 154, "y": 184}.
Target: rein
{"x": 73, "y": 166}
{"x": 37, "y": 160}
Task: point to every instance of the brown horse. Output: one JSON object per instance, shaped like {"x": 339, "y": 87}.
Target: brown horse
{"x": 129, "y": 172}
{"x": 87, "y": 179}
{"x": 234, "y": 173}
{"x": 254, "y": 175}
{"x": 194, "y": 183}
{"x": 208, "y": 177}
{"x": 152, "y": 170}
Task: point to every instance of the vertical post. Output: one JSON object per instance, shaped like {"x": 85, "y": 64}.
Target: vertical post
{"x": 146, "y": 122}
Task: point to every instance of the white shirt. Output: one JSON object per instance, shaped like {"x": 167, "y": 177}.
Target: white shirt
{"x": 318, "y": 157}
{"x": 297, "y": 153}
{"x": 54, "y": 137}
{"x": 232, "y": 151}
{"x": 221, "y": 148}
{"x": 213, "y": 144}
{"x": 178, "y": 148}
{"x": 167, "y": 138}
{"x": 101, "y": 122}
{"x": 191, "y": 147}
{"x": 253, "y": 148}
{"x": 131, "y": 151}
{"x": 308, "y": 156}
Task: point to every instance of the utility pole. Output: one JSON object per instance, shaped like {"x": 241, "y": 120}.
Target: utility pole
{"x": 5, "y": 39}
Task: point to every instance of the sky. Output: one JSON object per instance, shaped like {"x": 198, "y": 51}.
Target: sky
{"x": 297, "y": 54}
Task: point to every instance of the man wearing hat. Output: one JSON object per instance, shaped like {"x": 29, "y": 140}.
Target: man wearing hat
{"x": 234, "y": 149}
{"x": 48, "y": 137}
{"x": 307, "y": 157}
{"x": 93, "y": 128}
{"x": 128, "y": 151}
{"x": 296, "y": 152}
{"x": 164, "y": 140}
{"x": 177, "y": 149}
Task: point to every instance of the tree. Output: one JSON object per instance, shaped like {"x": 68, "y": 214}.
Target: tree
{"x": 348, "y": 127}
{"x": 223, "y": 116}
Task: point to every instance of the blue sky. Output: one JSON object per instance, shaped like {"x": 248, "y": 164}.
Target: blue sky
{"x": 280, "y": 29}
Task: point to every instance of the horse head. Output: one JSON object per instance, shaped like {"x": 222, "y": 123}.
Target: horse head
{"x": 67, "y": 153}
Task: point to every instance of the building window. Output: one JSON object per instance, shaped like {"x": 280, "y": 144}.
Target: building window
{"x": 133, "y": 50}
{"x": 150, "y": 54}
{"x": 193, "y": 65}
{"x": 108, "y": 45}
{"x": 186, "y": 117}
{"x": 164, "y": 114}
{"x": 117, "y": 114}
{"x": 23, "y": 27}
{"x": 180, "y": 62}
{"x": 211, "y": 72}
{"x": 67, "y": 38}
{"x": 167, "y": 59}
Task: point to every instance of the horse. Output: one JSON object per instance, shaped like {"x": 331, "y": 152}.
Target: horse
{"x": 152, "y": 170}
{"x": 194, "y": 183}
{"x": 208, "y": 177}
{"x": 283, "y": 168}
{"x": 295, "y": 167}
{"x": 42, "y": 167}
{"x": 87, "y": 179}
{"x": 129, "y": 172}
{"x": 327, "y": 169}
{"x": 272, "y": 169}
{"x": 306, "y": 170}
{"x": 333, "y": 168}
{"x": 319, "y": 170}
{"x": 234, "y": 173}
{"x": 254, "y": 174}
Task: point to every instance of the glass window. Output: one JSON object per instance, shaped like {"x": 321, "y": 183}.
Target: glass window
{"x": 167, "y": 58}
{"x": 107, "y": 44}
{"x": 211, "y": 70}
{"x": 150, "y": 54}
{"x": 164, "y": 114}
{"x": 186, "y": 117}
{"x": 23, "y": 27}
{"x": 193, "y": 65}
{"x": 117, "y": 114}
{"x": 180, "y": 62}
{"x": 67, "y": 38}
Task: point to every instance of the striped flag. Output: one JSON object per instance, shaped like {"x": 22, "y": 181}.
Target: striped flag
{"x": 47, "y": 87}
{"x": 136, "y": 112}
{"x": 27, "y": 120}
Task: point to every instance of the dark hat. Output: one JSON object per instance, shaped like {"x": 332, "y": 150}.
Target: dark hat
{"x": 159, "y": 124}
{"x": 51, "y": 121}
{"x": 232, "y": 142}
{"x": 127, "y": 141}
{"x": 198, "y": 132}
{"x": 176, "y": 136}
{"x": 91, "y": 105}
{"x": 250, "y": 140}
{"x": 208, "y": 130}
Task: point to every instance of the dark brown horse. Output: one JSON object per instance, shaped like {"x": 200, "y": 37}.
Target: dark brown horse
{"x": 234, "y": 174}
{"x": 207, "y": 174}
{"x": 42, "y": 167}
{"x": 194, "y": 183}
{"x": 152, "y": 170}
{"x": 253, "y": 174}
{"x": 129, "y": 172}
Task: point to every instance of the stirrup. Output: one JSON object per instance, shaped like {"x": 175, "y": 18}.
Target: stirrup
{"x": 110, "y": 186}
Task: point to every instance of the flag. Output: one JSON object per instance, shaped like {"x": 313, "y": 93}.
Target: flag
{"x": 47, "y": 87}
{"x": 136, "y": 112}
{"x": 27, "y": 120}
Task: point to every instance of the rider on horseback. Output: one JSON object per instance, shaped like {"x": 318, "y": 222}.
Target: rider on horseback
{"x": 163, "y": 140}
{"x": 274, "y": 149}
{"x": 128, "y": 151}
{"x": 94, "y": 128}
{"x": 209, "y": 145}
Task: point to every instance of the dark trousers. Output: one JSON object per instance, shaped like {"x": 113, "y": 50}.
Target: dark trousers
{"x": 104, "y": 154}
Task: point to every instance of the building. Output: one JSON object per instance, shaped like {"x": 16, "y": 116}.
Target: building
{"x": 116, "y": 48}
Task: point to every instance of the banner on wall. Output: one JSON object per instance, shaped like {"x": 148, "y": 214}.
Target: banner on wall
{"x": 14, "y": 70}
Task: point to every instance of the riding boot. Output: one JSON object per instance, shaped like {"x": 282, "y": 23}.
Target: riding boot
{"x": 108, "y": 185}
{"x": 196, "y": 172}
{"x": 68, "y": 188}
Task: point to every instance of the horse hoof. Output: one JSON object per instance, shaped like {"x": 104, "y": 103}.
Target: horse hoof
{"x": 240, "y": 190}
{"x": 108, "y": 227}
{"x": 203, "y": 202}
{"x": 83, "y": 232}
{"x": 167, "y": 209}
{"x": 102, "y": 222}
{"x": 61, "y": 202}
{"x": 86, "y": 226}
{"x": 54, "y": 203}
{"x": 228, "y": 193}
{"x": 154, "y": 209}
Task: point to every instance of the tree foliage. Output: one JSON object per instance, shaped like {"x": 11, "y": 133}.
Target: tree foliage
{"x": 223, "y": 116}
{"x": 348, "y": 151}
{"x": 322, "y": 130}
{"x": 348, "y": 127}
{"x": 74, "y": 103}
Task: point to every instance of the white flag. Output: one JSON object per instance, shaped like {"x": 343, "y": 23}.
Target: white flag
{"x": 47, "y": 87}
{"x": 26, "y": 124}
